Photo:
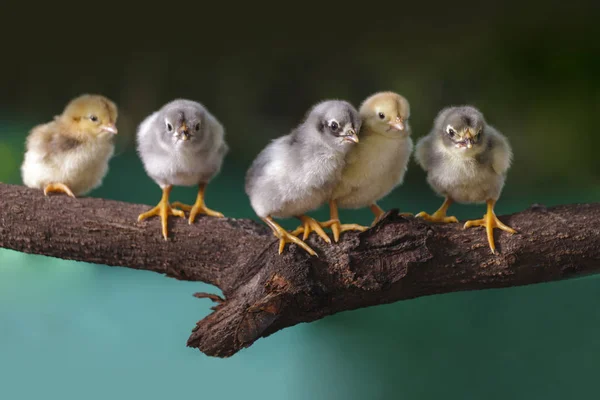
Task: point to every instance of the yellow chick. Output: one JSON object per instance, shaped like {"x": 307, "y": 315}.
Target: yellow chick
{"x": 71, "y": 153}
{"x": 376, "y": 165}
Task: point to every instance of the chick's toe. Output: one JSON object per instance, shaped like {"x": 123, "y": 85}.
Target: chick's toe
{"x": 336, "y": 226}
{"x": 286, "y": 237}
{"x": 58, "y": 188}
{"x": 163, "y": 210}
{"x": 440, "y": 214}
{"x": 199, "y": 207}
{"x": 309, "y": 225}
{"x": 437, "y": 217}
{"x": 490, "y": 221}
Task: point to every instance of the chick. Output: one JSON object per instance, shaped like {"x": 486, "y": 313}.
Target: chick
{"x": 181, "y": 144}
{"x": 297, "y": 173}
{"x": 466, "y": 161}
{"x": 378, "y": 164}
{"x": 71, "y": 153}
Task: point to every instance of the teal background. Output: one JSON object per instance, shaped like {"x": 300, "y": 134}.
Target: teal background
{"x": 72, "y": 330}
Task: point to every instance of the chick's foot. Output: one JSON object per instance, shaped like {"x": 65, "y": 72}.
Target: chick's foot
{"x": 436, "y": 217}
{"x": 163, "y": 210}
{"x": 336, "y": 226}
{"x": 439, "y": 215}
{"x": 490, "y": 221}
{"x": 309, "y": 225}
{"x": 58, "y": 188}
{"x": 199, "y": 207}
{"x": 286, "y": 237}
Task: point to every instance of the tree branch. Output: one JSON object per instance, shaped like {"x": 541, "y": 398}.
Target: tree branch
{"x": 400, "y": 258}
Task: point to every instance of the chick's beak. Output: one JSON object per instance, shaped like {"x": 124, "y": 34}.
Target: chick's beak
{"x": 110, "y": 128}
{"x": 351, "y": 136}
{"x": 184, "y": 132}
{"x": 469, "y": 139}
{"x": 397, "y": 124}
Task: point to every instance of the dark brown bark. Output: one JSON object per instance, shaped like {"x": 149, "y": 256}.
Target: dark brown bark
{"x": 400, "y": 258}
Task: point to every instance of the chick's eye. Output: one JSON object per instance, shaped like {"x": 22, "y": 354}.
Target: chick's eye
{"x": 334, "y": 125}
{"x": 169, "y": 127}
{"x": 451, "y": 132}
{"x": 197, "y": 127}
{"x": 93, "y": 118}
{"x": 381, "y": 115}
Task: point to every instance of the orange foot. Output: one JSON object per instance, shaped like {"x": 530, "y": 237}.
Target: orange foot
{"x": 58, "y": 188}
{"x": 163, "y": 210}
{"x": 490, "y": 221}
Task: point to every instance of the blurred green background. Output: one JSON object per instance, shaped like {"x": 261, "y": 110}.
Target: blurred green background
{"x": 71, "y": 330}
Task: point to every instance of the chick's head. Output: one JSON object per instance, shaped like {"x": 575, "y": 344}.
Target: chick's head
{"x": 462, "y": 128}
{"x": 91, "y": 115}
{"x": 337, "y": 122}
{"x": 386, "y": 113}
{"x": 183, "y": 123}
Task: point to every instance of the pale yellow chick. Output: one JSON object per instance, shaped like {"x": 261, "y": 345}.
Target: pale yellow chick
{"x": 71, "y": 153}
{"x": 376, "y": 165}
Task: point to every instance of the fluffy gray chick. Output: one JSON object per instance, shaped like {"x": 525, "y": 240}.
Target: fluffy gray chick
{"x": 297, "y": 173}
{"x": 182, "y": 144}
{"x": 466, "y": 161}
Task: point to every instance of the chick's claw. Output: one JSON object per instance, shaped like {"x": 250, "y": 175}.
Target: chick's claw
{"x": 440, "y": 214}
{"x": 309, "y": 225}
{"x": 490, "y": 221}
{"x": 334, "y": 222}
{"x": 286, "y": 237}
{"x": 436, "y": 217}
{"x": 160, "y": 210}
{"x": 58, "y": 188}
{"x": 163, "y": 210}
{"x": 337, "y": 228}
{"x": 199, "y": 207}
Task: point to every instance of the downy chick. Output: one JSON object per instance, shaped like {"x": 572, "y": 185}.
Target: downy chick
{"x": 377, "y": 165}
{"x": 297, "y": 173}
{"x": 182, "y": 144}
{"x": 71, "y": 153}
{"x": 466, "y": 161}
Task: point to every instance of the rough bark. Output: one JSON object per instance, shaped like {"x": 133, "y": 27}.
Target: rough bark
{"x": 400, "y": 258}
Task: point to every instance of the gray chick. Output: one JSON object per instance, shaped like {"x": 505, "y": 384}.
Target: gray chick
{"x": 181, "y": 144}
{"x": 466, "y": 161}
{"x": 297, "y": 173}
